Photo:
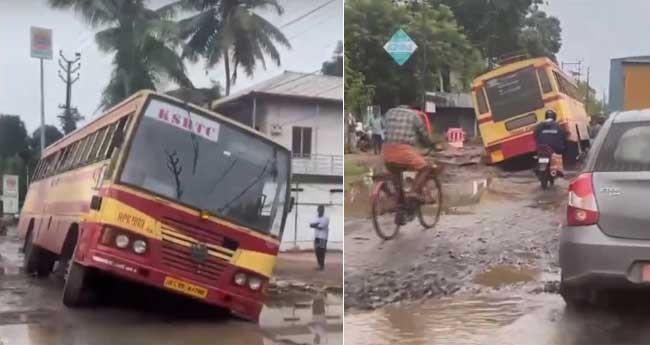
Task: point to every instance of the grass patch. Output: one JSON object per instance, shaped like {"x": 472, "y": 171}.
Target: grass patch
{"x": 353, "y": 171}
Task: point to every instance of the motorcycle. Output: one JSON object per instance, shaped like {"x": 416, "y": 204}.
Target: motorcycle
{"x": 546, "y": 170}
{"x": 363, "y": 142}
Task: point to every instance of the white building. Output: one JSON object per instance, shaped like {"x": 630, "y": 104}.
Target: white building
{"x": 303, "y": 112}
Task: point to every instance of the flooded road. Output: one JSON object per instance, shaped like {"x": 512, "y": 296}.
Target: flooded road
{"x": 500, "y": 319}
{"x": 31, "y": 313}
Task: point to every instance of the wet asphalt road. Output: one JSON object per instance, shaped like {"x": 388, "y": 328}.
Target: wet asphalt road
{"x": 31, "y": 313}
{"x": 498, "y": 274}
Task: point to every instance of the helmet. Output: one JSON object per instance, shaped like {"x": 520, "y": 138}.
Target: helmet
{"x": 550, "y": 114}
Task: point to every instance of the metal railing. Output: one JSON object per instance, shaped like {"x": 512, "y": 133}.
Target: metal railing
{"x": 316, "y": 164}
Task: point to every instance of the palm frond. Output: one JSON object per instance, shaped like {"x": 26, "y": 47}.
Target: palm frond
{"x": 95, "y": 13}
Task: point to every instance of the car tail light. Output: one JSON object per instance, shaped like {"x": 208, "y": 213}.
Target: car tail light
{"x": 582, "y": 208}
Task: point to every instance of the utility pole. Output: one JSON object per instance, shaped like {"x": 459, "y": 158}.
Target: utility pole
{"x": 70, "y": 115}
{"x": 587, "y": 93}
{"x": 577, "y": 65}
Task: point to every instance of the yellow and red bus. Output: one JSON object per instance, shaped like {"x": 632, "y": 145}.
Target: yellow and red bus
{"x": 510, "y": 100}
{"x": 162, "y": 193}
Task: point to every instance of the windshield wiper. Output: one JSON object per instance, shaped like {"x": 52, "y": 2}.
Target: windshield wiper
{"x": 195, "y": 143}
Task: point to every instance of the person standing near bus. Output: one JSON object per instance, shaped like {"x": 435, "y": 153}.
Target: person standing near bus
{"x": 321, "y": 231}
{"x": 377, "y": 133}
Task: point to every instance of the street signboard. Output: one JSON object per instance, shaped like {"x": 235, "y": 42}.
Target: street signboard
{"x": 41, "y": 43}
{"x": 10, "y": 185}
{"x": 400, "y": 47}
{"x": 10, "y": 205}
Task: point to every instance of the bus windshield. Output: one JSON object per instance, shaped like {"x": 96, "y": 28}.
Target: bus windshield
{"x": 209, "y": 165}
{"x": 514, "y": 94}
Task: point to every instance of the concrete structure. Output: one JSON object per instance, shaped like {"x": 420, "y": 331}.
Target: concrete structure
{"x": 452, "y": 110}
{"x": 303, "y": 112}
{"x": 629, "y": 83}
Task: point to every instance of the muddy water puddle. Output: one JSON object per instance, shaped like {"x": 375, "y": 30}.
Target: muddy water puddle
{"x": 310, "y": 320}
{"x": 499, "y": 276}
{"x": 457, "y": 320}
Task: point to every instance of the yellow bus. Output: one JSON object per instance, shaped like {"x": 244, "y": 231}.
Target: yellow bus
{"x": 511, "y": 100}
{"x": 165, "y": 194}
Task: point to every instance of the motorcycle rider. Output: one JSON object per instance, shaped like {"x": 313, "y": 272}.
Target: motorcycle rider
{"x": 404, "y": 129}
{"x": 550, "y": 134}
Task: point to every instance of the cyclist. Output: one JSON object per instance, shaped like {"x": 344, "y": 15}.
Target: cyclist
{"x": 405, "y": 129}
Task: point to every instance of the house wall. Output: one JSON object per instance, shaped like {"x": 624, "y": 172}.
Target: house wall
{"x": 325, "y": 119}
{"x": 312, "y": 195}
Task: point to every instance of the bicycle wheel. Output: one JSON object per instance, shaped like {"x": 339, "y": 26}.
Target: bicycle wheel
{"x": 384, "y": 211}
{"x": 429, "y": 211}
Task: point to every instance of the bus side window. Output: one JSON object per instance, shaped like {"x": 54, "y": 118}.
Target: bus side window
{"x": 118, "y": 136}
{"x": 82, "y": 148}
{"x": 87, "y": 149}
{"x": 566, "y": 87}
{"x": 481, "y": 101}
{"x": 36, "y": 169}
{"x": 103, "y": 149}
{"x": 70, "y": 157}
{"x": 544, "y": 80}
{"x": 64, "y": 156}
{"x": 100, "y": 137}
{"x": 51, "y": 162}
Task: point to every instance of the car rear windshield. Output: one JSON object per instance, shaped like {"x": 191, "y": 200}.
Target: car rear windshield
{"x": 514, "y": 94}
{"x": 626, "y": 148}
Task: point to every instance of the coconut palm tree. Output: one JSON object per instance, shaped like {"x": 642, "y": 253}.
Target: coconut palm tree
{"x": 141, "y": 39}
{"x": 231, "y": 31}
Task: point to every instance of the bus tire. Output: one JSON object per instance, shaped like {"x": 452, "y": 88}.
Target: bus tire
{"x": 74, "y": 289}
{"x": 36, "y": 259}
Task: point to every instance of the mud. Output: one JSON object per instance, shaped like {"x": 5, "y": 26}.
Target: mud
{"x": 31, "y": 313}
{"x": 508, "y": 237}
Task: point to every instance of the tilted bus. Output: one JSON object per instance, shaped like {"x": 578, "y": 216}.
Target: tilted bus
{"x": 511, "y": 100}
{"x": 162, "y": 193}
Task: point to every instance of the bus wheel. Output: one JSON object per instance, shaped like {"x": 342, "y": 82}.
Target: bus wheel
{"x": 36, "y": 259}
{"x": 75, "y": 285}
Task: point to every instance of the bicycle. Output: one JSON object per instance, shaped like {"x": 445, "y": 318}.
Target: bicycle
{"x": 388, "y": 215}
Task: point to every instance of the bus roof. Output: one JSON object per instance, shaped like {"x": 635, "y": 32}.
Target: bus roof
{"x": 541, "y": 61}
{"x": 133, "y": 103}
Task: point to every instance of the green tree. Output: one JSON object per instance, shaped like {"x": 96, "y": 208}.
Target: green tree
{"x": 334, "y": 66}
{"x": 13, "y": 136}
{"x": 593, "y": 105}
{"x": 358, "y": 95}
{"x": 52, "y": 134}
{"x": 141, "y": 39}
{"x": 502, "y": 27}
{"x": 541, "y": 35}
{"x": 441, "y": 47}
{"x": 231, "y": 31}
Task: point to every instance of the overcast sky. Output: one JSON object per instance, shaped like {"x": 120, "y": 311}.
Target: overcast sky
{"x": 599, "y": 30}
{"x": 313, "y": 40}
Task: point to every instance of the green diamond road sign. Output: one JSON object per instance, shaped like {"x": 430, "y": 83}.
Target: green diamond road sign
{"x": 400, "y": 47}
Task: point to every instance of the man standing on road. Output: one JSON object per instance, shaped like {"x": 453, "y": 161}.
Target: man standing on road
{"x": 321, "y": 225}
{"x": 377, "y": 133}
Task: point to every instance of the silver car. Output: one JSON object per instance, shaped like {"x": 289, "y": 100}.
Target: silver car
{"x": 605, "y": 244}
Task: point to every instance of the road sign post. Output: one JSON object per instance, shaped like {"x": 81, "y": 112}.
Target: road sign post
{"x": 400, "y": 47}
{"x": 41, "y": 48}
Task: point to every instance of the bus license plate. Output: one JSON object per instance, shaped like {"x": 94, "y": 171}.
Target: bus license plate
{"x": 544, "y": 160}
{"x": 185, "y": 287}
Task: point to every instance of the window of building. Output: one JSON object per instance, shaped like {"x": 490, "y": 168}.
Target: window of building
{"x": 301, "y": 141}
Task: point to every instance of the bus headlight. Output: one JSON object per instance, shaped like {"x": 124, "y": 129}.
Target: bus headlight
{"x": 240, "y": 279}
{"x": 139, "y": 246}
{"x": 254, "y": 283}
{"x": 121, "y": 241}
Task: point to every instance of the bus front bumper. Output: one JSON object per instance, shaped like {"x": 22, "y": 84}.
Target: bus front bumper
{"x": 239, "y": 305}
